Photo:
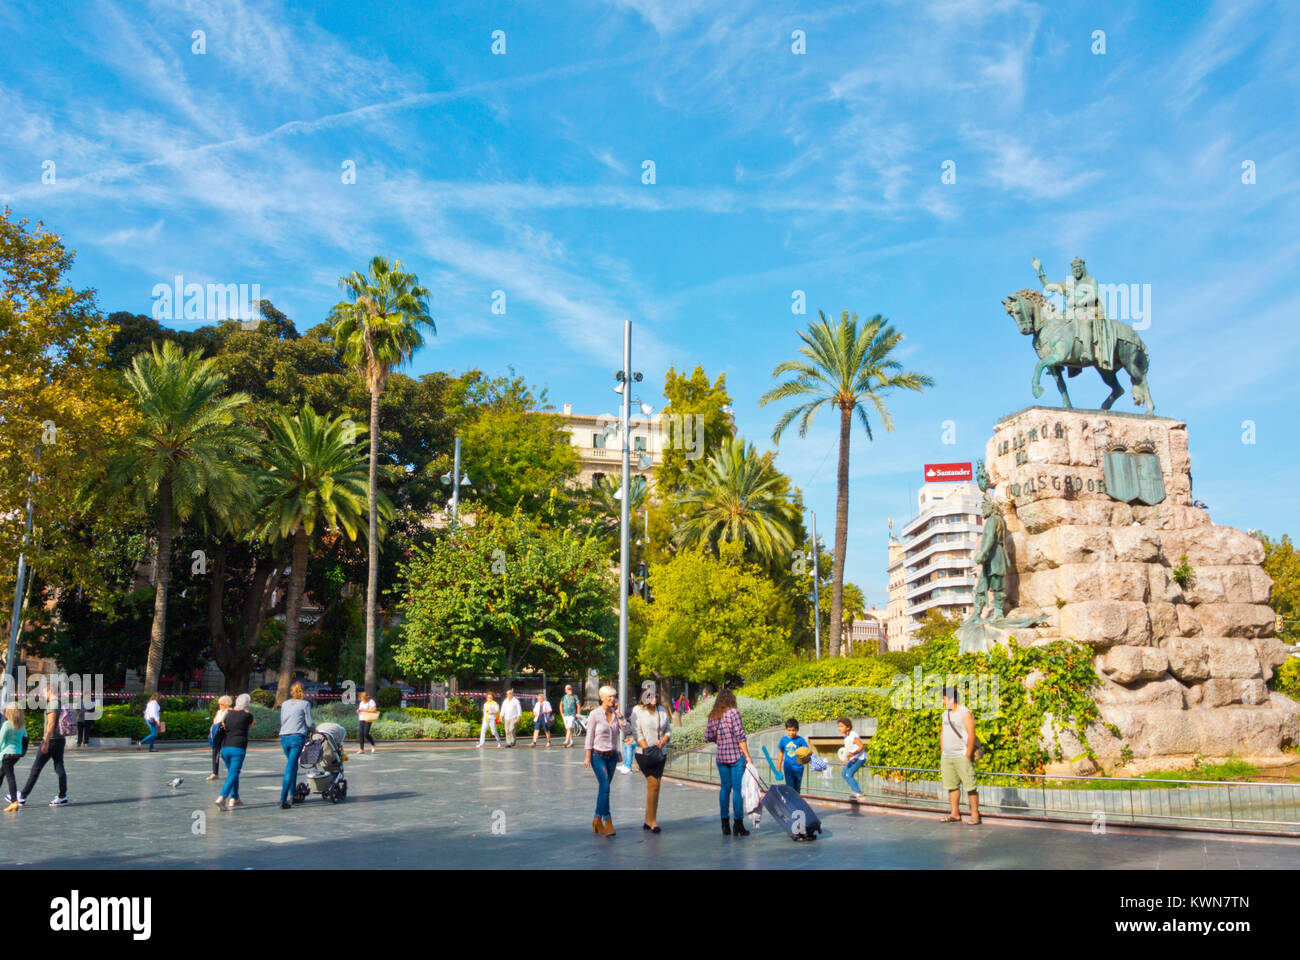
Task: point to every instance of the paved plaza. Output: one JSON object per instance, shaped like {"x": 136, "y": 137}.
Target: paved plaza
{"x": 454, "y": 806}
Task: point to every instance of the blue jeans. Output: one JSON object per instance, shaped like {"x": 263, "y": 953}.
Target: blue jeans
{"x": 629, "y": 752}
{"x": 604, "y": 767}
{"x": 234, "y": 757}
{"x": 848, "y": 773}
{"x": 292, "y": 745}
{"x": 153, "y": 734}
{"x": 730, "y": 776}
{"x": 793, "y": 777}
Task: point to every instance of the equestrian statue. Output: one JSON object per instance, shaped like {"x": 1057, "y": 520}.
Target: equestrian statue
{"x": 1083, "y": 336}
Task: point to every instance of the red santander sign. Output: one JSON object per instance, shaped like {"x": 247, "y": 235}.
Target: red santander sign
{"x": 947, "y": 472}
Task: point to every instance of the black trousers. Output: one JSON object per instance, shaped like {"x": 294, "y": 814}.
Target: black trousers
{"x": 363, "y": 733}
{"x": 55, "y": 754}
{"x": 7, "y": 771}
{"x": 216, "y": 759}
{"x": 83, "y": 732}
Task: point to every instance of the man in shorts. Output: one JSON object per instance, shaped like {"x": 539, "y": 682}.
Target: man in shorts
{"x": 568, "y": 711}
{"x": 956, "y": 761}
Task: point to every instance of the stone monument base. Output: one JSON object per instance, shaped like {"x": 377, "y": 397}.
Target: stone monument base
{"x": 1174, "y": 606}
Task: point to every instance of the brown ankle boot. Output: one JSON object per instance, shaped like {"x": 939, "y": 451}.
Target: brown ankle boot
{"x": 607, "y": 827}
{"x": 595, "y": 825}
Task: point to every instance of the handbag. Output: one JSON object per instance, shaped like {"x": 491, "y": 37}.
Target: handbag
{"x": 369, "y": 716}
{"x": 655, "y": 753}
{"x": 980, "y": 748}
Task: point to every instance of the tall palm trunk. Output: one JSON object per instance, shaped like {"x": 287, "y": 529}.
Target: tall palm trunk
{"x": 841, "y": 531}
{"x": 372, "y": 537}
{"x": 162, "y": 580}
{"x": 292, "y": 605}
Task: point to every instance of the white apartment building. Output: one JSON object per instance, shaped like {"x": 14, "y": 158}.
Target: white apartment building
{"x": 599, "y": 442}
{"x": 931, "y": 564}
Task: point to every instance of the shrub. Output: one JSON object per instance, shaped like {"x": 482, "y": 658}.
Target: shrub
{"x": 1286, "y": 678}
{"x": 463, "y": 707}
{"x": 388, "y": 697}
{"x": 874, "y": 670}
{"x": 262, "y": 697}
{"x": 460, "y": 729}
{"x": 396, "y": 730}
{"x": 1061, "y": 699}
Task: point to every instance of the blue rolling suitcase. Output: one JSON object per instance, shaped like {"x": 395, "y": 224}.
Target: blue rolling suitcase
{"x": 792, "y": 812}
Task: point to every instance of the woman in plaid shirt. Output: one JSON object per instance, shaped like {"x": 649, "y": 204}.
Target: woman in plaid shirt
{"x": 724, "y": 729}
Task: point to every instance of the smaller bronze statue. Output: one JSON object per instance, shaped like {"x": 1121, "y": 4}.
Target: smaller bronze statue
{"x": 991, "y": 587}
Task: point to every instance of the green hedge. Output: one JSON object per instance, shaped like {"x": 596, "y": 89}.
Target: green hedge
{"x": 806, "y": 706}
{"x": 874, "y": 670}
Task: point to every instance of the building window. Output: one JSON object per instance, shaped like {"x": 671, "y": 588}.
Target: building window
{"x": 598, "y": 441}
{"x": 638, "y": 443}
{"x": 596, "y": 480}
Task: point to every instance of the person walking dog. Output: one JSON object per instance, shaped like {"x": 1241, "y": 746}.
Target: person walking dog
{"x": 605, "y": 728}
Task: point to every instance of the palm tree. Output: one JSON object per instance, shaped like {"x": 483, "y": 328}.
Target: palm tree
{"x": 378, "y": 329}
{"x": 606, "y": 507}
{"x": 846, "y": 367}
{"x": 738, "y": 496}
{"x": 315, "y": 476}
{"x": 185, "y": 454}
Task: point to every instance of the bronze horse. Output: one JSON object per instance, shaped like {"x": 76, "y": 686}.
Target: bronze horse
{"x": 1059, "y": 348}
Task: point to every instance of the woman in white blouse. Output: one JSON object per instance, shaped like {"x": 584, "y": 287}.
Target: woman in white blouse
{"x": 652, "y": 727}
{"x": 367, "y": 713}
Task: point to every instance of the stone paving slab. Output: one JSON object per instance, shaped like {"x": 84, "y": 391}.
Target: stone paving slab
{"x": 526, "y": 807}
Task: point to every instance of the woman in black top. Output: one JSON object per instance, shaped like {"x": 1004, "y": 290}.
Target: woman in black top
{"x": 236, "y": 724}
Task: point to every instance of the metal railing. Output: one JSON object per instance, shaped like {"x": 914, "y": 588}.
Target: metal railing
{"x": 1220, "y": 805}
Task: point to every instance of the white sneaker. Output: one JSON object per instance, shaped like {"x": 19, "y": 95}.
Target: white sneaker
{"x": 623, "y": 769}
{"x": 58, "y": 801}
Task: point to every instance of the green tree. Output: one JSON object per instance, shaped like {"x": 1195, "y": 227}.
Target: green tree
{"x": 515, "y": 455}
{"x": 1283, "y": 564}
{"x": 315, "y": 476}
{"x": 378, "y": 329}
{"x": 706, "y": 404}
{"x": 504, "y": 594}
{"x": 713, "y": 621}
{"x": 186, "y": 451}
{"x": 60, "y": 412}
{"x": 736, "y": 498}
{"x": 845, "y": 367}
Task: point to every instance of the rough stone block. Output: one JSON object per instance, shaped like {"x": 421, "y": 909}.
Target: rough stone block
{"x": 1104, "y": 623}
{"x": 1163, "y": 693}
{"x": 1236, "y": 619}
{"x": 1230, "y": 658}
{"x": 1127, "y": 665}
{"x": 1135, "y": 545}
{"x": 1187, "y": 659}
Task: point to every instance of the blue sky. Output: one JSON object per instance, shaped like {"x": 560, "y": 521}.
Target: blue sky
{"x": 775, "y": 172}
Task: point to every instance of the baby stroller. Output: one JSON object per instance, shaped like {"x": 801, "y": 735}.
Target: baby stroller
{"x": 323, "y": 753}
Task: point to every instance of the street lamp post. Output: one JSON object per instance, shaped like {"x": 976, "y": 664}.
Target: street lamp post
{"x": 625, "y": 377}
{"x": 456, "y": 484}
